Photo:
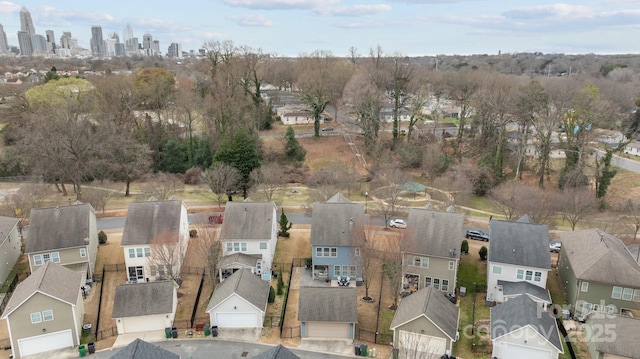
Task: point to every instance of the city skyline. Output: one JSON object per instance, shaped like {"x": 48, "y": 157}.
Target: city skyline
{"x": 294, "y": 27}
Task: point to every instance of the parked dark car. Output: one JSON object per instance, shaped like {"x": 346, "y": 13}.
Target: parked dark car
{"x": 327, "y": 129}
{"x": 477, "y": 235}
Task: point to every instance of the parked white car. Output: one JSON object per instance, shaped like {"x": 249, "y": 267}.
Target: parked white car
{"x": 397, "y": 223}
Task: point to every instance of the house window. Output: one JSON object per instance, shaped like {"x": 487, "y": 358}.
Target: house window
{"x": 520, "y": 274}
{"x": 356, "y": 251}
{"x": 36, "y": 318}
{"x": 451, "y": 265}
{"x": 139, "y": 252}
{"x": 263, "y": 245}
{"x": 132, "y": 253}
{"x": 586, "y": 308}
{"x": 55, "y": 257}
{"x": 421, "y": 262}
{"x": 352, "y": 271}
{"x": 229, "y": 246}
{"x": 83, "y": 252}
{"x": 636, "y": 295}
{"x": 37, "y": 260}
{"x": 445, "y": 285}
{"x": 147, "y": 252}
{"x": 153, "y": 270}
{"x": 497, "y": 270}
{"x": 436, "y": 283}
{"x": 47, "y": 315}
{"x": 336, "y": 271}
{"x": 584, "y": 287}
{"x": 597, "y": 308}
{"x": 610, "y": 309}
{"x": 537, "y": 277}
{"x": 46, "y": 257}
{"x": 427, "y": 281}
{"x": 326, "y": 252}
{"x": 243, "y": 246}
{"x": 616, "y": 293}
{"x": 236, "y": 247}
{"x": 529, "y": 275}
{"x": 627, "y": 294}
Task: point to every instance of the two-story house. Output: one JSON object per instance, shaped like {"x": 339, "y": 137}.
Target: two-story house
{"x": 155, "y": 239}
{"x": 598, "y": 273}
{"x": 66, "y": 235}
{"x": 10, "y": 245}
{"x": 519, "y": 252}
{"x": 249, "y": 236}
{"x": 431, "y": 250}
{"x": 335, "y": 249}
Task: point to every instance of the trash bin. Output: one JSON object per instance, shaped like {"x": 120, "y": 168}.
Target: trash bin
{"x": 167, "y": 332}
{"x": 174, "y": 332}
{"x": 206, "y": 330}
{"x": 214, "y": 331}
{"x": 357, "y": 349}
{"x": 372, "y": 352}
{"x": 91, "y": 346}
{"x": 394, "y": 353}
{"x": 363, "y": 350}
{"x": 82, "y": 351}
{"x": 86, "y": 329}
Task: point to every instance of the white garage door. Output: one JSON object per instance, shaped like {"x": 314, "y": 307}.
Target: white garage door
{"x": 46, "y": 342}
{"x": 237, "y": 320}
{"x": 420, "y": 345}
{"x": 327, "y": 330}
{"x": 143, "y": 324}
{"x": 516, "y": 351}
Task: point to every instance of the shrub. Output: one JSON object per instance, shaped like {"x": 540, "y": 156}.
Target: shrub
{"x": 280, "y": 283}
{"x": 193, "y": 176}
{"x": 193, "y": 233}
{"x": 483, "y": 253}
{"x": 464, "y": 248}
{"x": 272, "y": 295}
{"x": 102, "y": 237}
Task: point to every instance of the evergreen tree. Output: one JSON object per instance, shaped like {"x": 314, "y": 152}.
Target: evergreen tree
{"x": 241, "y": 152}
{"x": 292, "y": 148}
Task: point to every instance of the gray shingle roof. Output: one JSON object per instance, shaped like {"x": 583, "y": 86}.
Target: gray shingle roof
{"x": 146, "y": 220}
{"x": 7, "y": 224}
{"x": 277, "y": 352}
{"x": 520, "y": 243}
{"x": 247, "y": 220}
{"x": 50, "y": 279}
{"x": 58, "y": 227}
{"x": 139, "y": 299}
{"x": 600, "y": 257}
{"x": 139, "y": 349}
{"x": 434, "y": 233}
{"x": 328, "y": 304}
{"x": 331, "y": 223}
{"x": 432, "y": 304}
{"x": 245, "y": 284}
{"x": 520, "y": 312}
{"x": 517, "y": 288}
{"x": 239, "y": 258}
{"x": 626, "y": 343}
{"x": 339, "y": 198}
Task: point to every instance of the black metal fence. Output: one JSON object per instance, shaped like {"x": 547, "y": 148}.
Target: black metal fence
{"x": 567, "y": 339}
{"x": 286, "y": 299}
{"x": 271, "y": 321}
{"x": 116, "y": 267}
{"x": 290, "y": 332}
{"x": 106, "y": 333}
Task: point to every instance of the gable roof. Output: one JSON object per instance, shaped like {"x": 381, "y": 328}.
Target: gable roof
{"x": 248, "y": 220}
{"x": 600, "y": 257}
{"x": 59, "y": 227}
{"x": 146, "y": 220}
{"x": 52, "y": 280}
{"x": 140, "y": 299}
{"x": 520, "y": 243}
{"x": 434, "y": 233}
{"x": 239, "y": 258}
{"x": 139, "y": 349}
{"x": 7, "y": 224}
{"x": 520, "y": 312}
{"x": 331, "y": 223}
{"x": 244, "y": 284}
{"x": 339, "y": 198}
{"x": 626, "y": 343}
{"x": 517, "y": 288}
{"x": 277, "y": 352}
{"x": 328, "y": 304}
{"x": 432, "y": 304}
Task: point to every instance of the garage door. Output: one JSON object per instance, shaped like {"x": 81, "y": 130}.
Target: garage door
{"x": 237, "y": 320}
{"x": 46, "y": 342}
{"x": 521, "y": 352}
{"x": 420, "y": 345}
{"x": 143, "y": 324}
{"x": 327, "y": 330}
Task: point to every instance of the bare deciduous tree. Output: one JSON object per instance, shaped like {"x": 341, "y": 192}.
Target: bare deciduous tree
{"x": 99, "y": 194}
{"x": 208, "y": 248}
{"x": 575, "y": 204}
{"x": 365, "y": 254}
{"x": 389, "y": 182}
{"x": 516, "y": 199}
{"x": 20, "y": 203}
{"x": 163, "y": 185}
{"x": 222, "y": 179}
{"x": 268, "y": 180}
{"x": 167, "y": 255}
{"x": 629, "y": 212}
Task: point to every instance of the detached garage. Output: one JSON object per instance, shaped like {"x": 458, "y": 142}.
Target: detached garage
{"x": 240, "y": 301}
{"x": 145, "y": 307}
{"x": 45, "y": 311}
{"x": 328, "y": 312}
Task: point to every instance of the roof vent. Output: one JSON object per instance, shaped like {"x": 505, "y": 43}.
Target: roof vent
{"x": 452, "y": 253}
{"x": 514, "y": 250}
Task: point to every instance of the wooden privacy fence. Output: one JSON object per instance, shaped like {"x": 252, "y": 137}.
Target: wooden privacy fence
{"x": 107, "y": 333}
{"x": 290, "y": 332}
{"x": 116, "y": 267}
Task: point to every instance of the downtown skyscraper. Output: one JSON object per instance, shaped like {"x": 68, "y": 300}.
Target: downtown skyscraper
{"x": 97, "y": 42}
{"x": 4, "y": 45}
{"x": 26, "y": 23}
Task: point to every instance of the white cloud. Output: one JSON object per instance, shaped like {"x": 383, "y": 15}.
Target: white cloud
{"x": 354, "y": 10}
{"x": 280, "y": 4}
{"x": 257, "y": 20}
{"x": 7, "y": 7}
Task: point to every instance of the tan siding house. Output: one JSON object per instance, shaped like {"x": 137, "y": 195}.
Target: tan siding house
{"x": 328, "y": 312}
{"x": 10, "y": 245}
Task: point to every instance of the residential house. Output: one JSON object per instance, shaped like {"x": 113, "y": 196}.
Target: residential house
{"x": 519, "y": 252}
{"x": 295, "y": 115}
{"x": 277, "y": 352}
{"x": 425, "y": 325}
{"x": 386, "y": 114}
{"x": 335, "y": 234}
{"x": 328, "y": 312}
{"x": 66, "y": 235}
{"x": 511, "y": 290}
{"x": 250, "y": 228}
{"x": 598, "y": 273}
{"x": 10, "y": 245}
{"x": 145, "y": 307}
{"x": 632, "y": 148}
{"x": 155, "y": 239}
{"x": 239, "y": 302}
{"x": 437, "y": 129}
{"x": 613, "y": 336}
{"x": 45, "y": 311}
{"x": 520, "y": 328}
{"x": 431, "y": 250}
{"x": 139, "y": 349}
{"x": 609, "y": 137}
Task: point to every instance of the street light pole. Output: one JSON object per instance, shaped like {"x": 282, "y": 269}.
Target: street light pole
{"x": 366, "y": 201}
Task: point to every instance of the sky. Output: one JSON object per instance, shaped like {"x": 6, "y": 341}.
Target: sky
{"x": 399, "y": 27}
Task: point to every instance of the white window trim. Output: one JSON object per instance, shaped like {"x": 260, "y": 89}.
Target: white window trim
{"x": 44, "y": 315}
{"x": 627, "y": 290}
{"x": 452, "y": 265}
{"x": 38, "y": 317}
{"x": 584, "y": 287}
{"x": 83, "y": 252}
{"x": 496, "y": 270}
{"x": 613, "y": 292}
{"x": 37, "y": 260}
{"x": 519, "y": 275}
{"x": 357, "y": 251}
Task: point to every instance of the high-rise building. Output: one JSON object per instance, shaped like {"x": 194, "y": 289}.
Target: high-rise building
{"x": 175, "y": 50}
{"x": 120, "y": 51}
{"x": 155, "y": 47}
{"x": 24, "y": 40}
{"x": 26, "y": 23}
{"x": 4, "y": 45}
{"x": 97, "y": 42}
{"x": 147, "y": 44}
{"x": 51, "y": 41}
{"x": 38, "y": 43}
